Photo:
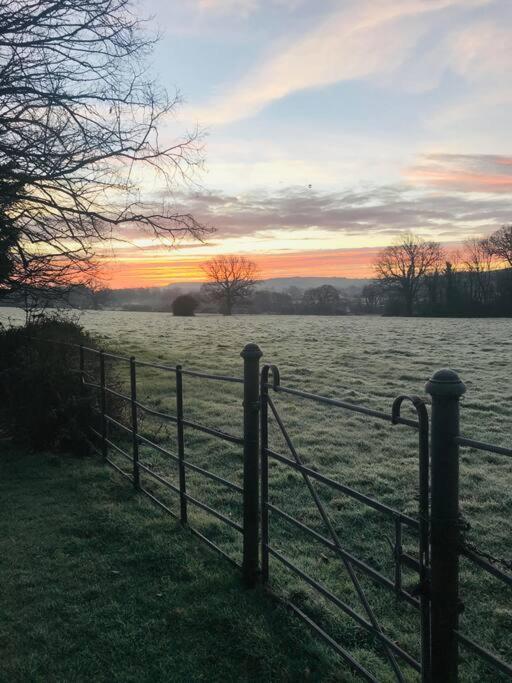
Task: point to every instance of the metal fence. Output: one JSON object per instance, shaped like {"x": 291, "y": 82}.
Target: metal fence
{"x": 438, "y": 526}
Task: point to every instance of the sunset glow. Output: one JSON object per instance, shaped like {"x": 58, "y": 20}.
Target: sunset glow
{"x": 152, "y": 272}
{"x": 331, "y": 127}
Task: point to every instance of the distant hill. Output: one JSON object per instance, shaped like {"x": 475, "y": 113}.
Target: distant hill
{"x": 278, "y": 284}
{"x": 159, "y": 298}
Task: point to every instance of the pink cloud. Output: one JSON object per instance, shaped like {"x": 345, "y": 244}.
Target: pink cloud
{"x": 463, "y": 172}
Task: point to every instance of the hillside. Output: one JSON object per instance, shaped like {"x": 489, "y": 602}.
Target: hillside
{"x": 279, "y": 284}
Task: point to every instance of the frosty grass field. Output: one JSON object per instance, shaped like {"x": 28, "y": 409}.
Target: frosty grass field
{"x": 365, "y": 360}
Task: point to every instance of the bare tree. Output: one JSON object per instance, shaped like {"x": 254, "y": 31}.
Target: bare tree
{"x": 478, "y": 262}
{"x": 231, "y": 280}
{"x": 499, "y": 244}
{"x": 372, "y": 297}
{"x": 404, "y": 265}
{"x": 79, "y": 122}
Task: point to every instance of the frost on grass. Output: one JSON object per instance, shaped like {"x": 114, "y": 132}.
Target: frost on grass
{"x": 363, "y": 360}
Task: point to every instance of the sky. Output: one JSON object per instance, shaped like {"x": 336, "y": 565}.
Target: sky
{"x": 330, "y": 126}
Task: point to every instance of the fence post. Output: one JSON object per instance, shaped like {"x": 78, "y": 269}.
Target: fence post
{"x": 103, "y": 399}
{"x": 446, "y": 388}
{"x": 251, "y": 355}
{"x": 181, "y": 445}
{"x": 135, "y": 438}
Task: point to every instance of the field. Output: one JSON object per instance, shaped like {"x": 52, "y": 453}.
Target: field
{"x": 364, "y": 360}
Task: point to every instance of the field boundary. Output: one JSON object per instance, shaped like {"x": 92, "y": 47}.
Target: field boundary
{"x": 438, "y": 525}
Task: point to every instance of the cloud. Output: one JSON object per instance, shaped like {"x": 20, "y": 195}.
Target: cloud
{"x": 373, "y": 214}
{"x": 464, "y": 172}
{"x": 243, "y": 7}
{"x": 366, "y": 39}
{"x": 482, "y": 51}
{"x": 299, "y": 230}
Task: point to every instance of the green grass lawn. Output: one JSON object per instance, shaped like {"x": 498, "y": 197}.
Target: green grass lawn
{"x": 98, "y": 585}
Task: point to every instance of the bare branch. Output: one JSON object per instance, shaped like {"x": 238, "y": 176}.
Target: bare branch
{"x": 79, "y": 122}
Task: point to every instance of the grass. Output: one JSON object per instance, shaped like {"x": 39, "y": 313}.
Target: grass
{"x": 99, "y": 585}
{"x": 362, "y": 360}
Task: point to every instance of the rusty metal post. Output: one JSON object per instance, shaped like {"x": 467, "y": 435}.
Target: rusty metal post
{"x": 446, "y": 388}
{"x": 181, "y": 445}
{"x": 250, "y": 565}
{"x": 135, "y": 437}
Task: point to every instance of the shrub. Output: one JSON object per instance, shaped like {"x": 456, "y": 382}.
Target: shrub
{"x": 184, "y": 305}
{"x": 44, "y": 404}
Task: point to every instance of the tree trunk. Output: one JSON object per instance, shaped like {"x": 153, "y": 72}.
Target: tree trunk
{"x": 228, "y": 309}
{"x": 409, "y": 303}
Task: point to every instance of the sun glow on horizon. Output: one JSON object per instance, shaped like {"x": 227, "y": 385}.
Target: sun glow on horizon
{"x": 176, "y": 269}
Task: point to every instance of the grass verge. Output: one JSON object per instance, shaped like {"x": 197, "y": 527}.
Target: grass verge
{"x": 99, "y": 585}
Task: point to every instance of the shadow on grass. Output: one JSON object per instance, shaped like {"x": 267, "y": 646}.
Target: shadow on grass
{"x": 98, "y": 585}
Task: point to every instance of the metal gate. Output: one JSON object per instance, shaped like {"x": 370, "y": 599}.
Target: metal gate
{"x": 419, "y": 599}
{"x": 438, "y": 528}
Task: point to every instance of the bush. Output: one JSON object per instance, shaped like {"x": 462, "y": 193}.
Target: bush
{"x": 44, "y": 404}
{"x": 184, "y": 305}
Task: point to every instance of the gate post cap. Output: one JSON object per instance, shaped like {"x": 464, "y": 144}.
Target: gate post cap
{"x": 445, "y": 382}
{"x": 251, "y": 351}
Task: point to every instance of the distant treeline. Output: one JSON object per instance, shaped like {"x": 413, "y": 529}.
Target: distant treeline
{"x": 420, "y": 277}
{"x": 413, "y": 277}
{"x": 322, "y": 300}
{"x": 447, "y": 292}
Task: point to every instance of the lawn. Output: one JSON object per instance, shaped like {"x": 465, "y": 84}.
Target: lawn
{"x": 363, "y": 360}
{"x": 98, "y": 585}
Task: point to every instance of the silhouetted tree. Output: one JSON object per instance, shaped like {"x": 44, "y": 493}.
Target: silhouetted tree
{"x": 451, "y": 290}
{"x": 78, "y": 114}
{"x": 403, "y": 266}
{"x": 184, "y": 305}
{"x": 499, "y": 244}
{"x": 323, "y": 300}
{"x": 231, "y": 280}
{"x": 478, "y": 260}
{"x": 99, "y": 295}
{"x": 7, "y": 241}
{"x": 267, "y": 301}
{"x": 372, "y": 297}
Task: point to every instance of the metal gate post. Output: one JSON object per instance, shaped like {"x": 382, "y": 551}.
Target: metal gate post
{"x": 250, "y": 565}
{"x": 264, "y": 473}
{"x": 446, "y": 388}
